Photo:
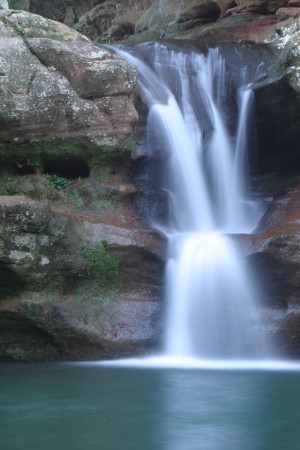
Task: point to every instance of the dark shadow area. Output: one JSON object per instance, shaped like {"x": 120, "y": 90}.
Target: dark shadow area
{"x": 25, "y": 169}
{"x": 10, "y": 282}
{"x": 66, "y": 167}
{"x": 270, "y": 279}
{"x": 22, "y": 339}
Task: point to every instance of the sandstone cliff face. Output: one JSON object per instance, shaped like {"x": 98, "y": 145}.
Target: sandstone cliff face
{"x": 69, "y": 113}
{"x": 81, "y": 276}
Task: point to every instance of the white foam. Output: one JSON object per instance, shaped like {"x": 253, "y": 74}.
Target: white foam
{"x": 165, "y": 362}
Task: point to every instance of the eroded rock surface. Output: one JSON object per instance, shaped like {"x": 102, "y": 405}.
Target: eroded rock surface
{"x": 91, "y": 285}
{"x": 81, "y": 275}
{"x": 52, "y": 84}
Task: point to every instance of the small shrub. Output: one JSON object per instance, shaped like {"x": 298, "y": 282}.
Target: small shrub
{"x": 17, "y": 354}
{"x": 58, "y": 182}
{"x": 75, "y": 199}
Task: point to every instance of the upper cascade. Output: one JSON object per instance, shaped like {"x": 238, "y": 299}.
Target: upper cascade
{"x": 207, "y": 171}
{"x": 211, "y": 310}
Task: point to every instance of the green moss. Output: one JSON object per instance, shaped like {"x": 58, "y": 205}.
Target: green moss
{"x": 13, "y": 4}
{"x": 9, "y": 182}
{"x": 105, "y": 203}
{"x": 75, "y": 198}
{"x": 36, "y": 152}
{"x": 36, "y": 352}
{"x": 56, "y": 37}
{"x": 102, "y": 268}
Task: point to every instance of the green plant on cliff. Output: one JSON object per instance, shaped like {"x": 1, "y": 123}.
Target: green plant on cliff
{"x": 58, "y": 182}
{"x": 102, "y": 267}
{"x": 75, "y": 198}
{"x": 21, "y": 31}
{"x": 17, "y": 354}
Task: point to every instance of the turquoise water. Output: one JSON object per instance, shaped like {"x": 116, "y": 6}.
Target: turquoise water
{"x": 73, "y": 406}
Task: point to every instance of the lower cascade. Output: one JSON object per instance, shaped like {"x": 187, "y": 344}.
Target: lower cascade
{"x": 212, "y": 310}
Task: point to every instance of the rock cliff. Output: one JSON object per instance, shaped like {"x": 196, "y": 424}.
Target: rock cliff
{"x": 69, "y": 154}
{"x": 81, "y": 276}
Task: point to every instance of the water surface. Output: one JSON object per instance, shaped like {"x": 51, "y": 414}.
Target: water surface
{"x": 73, "y": 406}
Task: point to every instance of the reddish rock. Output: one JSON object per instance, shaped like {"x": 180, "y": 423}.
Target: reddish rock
{"x": 249, "y": 7}
{"x": 223, "y": 14}
{"x": 48, "y": 86}
{"x": 289, "y": 12}
{"x": 238, "y": 28}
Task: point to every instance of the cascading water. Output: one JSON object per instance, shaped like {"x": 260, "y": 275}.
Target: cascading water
{"x": 211, "y": 312}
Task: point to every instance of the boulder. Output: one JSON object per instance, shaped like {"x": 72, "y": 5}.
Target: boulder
{"x": 289, "y": 12}
{"x": 51, "y": 89}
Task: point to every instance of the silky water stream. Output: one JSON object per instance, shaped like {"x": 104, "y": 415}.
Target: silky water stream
{"x": 212, "y": 303}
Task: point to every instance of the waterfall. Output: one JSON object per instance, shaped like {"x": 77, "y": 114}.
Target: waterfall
{"x": 211, "y": 300}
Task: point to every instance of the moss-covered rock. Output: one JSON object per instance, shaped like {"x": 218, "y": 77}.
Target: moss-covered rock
{"x": 82, "y": 281}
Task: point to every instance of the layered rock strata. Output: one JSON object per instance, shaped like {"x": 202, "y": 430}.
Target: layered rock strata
{"x": 81, "y": 276}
